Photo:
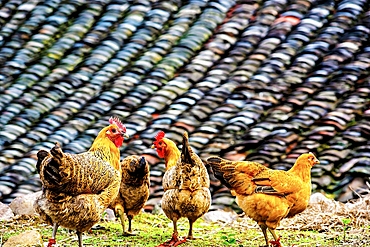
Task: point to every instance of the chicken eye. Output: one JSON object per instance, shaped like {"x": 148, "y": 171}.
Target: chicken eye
{"x": 114, "y": 130}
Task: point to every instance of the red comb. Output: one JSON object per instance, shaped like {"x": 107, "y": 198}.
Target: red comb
{"x": 160, "y": 135}
{"x": 116, "y": 121}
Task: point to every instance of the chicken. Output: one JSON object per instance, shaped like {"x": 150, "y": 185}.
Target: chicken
{"x": 134, "y": 190}
{"x": 267, "y": 195}
{"x": 185, "y": 183}
{"x": 77, "y": 188}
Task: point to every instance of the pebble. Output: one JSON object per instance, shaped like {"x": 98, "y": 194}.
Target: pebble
{"x": 25, "y": 239}
{"x": 23, "y": 205}
{"x": 6, "y": 212}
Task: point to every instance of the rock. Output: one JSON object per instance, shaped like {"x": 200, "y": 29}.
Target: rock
{"x": 6, "y": 212}
{"x": 156, "y": 205}
{"x": 224, "y": 200}
{"x": 23, "y": 205}
{"x": 323, "y": 203}
{"x": 27, "y": 238}
{"x": 318, "y": 198}
{"x": 220, "y": 216}
{"x": 360, "y": 205}
{"x": 110, "y": 215}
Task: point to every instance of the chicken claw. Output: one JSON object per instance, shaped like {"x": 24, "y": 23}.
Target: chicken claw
{"x": 51, "y": 242}
{"x": 174, "y": 241}
{"x": 180, "y": 242}
{"x": 128, "y": 234}
{"x": 276, "y": 243}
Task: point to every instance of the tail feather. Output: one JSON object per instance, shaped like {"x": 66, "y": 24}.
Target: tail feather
{"x": 217, "y": 169}
{"x": 135, "y": 170}
{"x": 236, "y": 175}
{"x": 57, "y": 152}
{"x": 140, "y": 170}
{"x": 41, "y": 155}
{"x": 52, "y": 174}
{"x": 142, "y": 163}
{"x": 186, "y": 149}
{"x": 48, "y": 166}
{"x": 189, "y": 167}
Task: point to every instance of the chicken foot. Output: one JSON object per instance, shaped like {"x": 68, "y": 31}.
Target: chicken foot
{"x": 52, "y": 239}
{"x": 276, "y": 242}
{"x": 129, "y": 232}
{"x": 190, "y": 234}
{"x": 174, "y": 241}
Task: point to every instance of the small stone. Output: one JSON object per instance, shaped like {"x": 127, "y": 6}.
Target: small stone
{"x": 23, "y": 205}
{"x": 323, "y": 203}
{"x": 25, "y": 239}
{"x": 6, "y": 212}
{"x": 318, "y": 198}
{"x": 109, "y": 215}
{"x": 220, "y": 216}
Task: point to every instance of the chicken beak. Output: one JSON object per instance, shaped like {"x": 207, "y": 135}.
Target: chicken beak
{"x": 125, "y": 135}
{"x": 153, "y": 146}
{"x": 317, "y": 161}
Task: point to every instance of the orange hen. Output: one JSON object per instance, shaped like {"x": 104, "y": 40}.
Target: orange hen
{"x": 267, "y": 195}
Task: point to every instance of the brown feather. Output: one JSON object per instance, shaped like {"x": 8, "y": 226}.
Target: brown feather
{"x": 134, "y": 188}
{"x": 186, "y": 186}
{"x": 77, "y": 188}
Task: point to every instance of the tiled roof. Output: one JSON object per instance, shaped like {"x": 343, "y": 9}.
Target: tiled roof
{"x": 249, "y": 80}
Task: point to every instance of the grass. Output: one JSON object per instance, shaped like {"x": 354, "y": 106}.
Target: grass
{"x": 155, "y": 229}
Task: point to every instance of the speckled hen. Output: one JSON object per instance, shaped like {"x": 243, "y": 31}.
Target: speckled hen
{"x": 185, "y": 183}
{"x": 77, "y": 188}
{"x": 134, "y": 190}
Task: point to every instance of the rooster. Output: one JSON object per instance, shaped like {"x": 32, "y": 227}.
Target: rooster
{"x": 267, "y": 195}
{"x": 185, "y": 183}
{"x": 77, "y": 188}
{"x": 134, "y": 190}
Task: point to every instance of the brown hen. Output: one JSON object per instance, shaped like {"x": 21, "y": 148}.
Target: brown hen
{"x": 185, "y": 183}
{"x": 77, "y": 188}
{"x": 134, "y": 190}
{"x": 267, "y": 195}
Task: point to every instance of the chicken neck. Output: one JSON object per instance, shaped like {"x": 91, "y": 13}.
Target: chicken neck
{"x": 171, "y": 156}
{"x": 107, "y": 151}
{"x": 303, "y": 170}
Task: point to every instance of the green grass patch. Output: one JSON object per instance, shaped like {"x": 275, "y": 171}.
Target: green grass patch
{"x": 155, "y": 229}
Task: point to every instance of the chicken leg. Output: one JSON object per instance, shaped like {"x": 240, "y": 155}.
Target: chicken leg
{"x": 79, "y": 235}
{"x": 190, "y": 234}
{"x": 276, "y": 242}
{"x": 121, "y": 214}
{"x": 264, "y": 231}
{"x": 52, "y": 239}
{"x": 130, "y": 233}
